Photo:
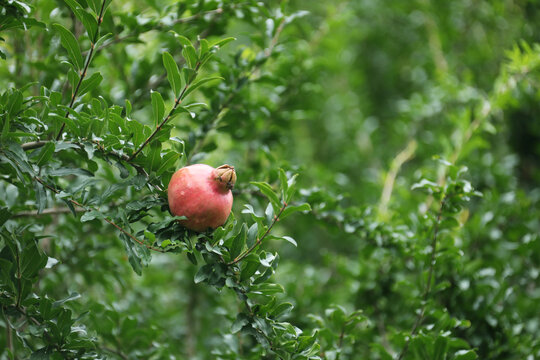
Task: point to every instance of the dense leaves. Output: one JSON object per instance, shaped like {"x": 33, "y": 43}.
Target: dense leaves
{"x": 387, "y": 204}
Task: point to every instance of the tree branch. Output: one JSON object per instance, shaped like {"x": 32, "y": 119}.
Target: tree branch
{"x": 177, "y": 102}
{"x": 259, "y": 240}
{"x": 83, "y": 74}
{"x": 401, "y": 158}
{"x": 123, "y": 157}
{"x": 85, "y": 208}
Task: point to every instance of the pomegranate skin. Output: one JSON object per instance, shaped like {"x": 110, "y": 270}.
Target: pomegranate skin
{"x": 199, "y": 193}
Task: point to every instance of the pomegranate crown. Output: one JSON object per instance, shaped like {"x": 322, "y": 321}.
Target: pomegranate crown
{"x": 226, "y": 174}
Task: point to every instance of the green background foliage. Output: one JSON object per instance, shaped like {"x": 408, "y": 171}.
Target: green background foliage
{"x": 387, "y": 203}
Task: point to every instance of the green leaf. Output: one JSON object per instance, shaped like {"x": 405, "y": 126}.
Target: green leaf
{"x": 249, "y": 268}
{"x": 95, "y": 5}
{"x": 90, "y": 83}
{"x": 294, "y": 208}
{"x": 465, "y": 355}
{"x": 102, "y": 40}
{"x": 252, "y": 234}
{"x": 222, "y": 42}
{"x": 290, "y": 240}
{"x": 4, "y": 215}
{"x": 238, "y": 242}
{"x": 71, "y": 297}
{"x": 241, "y": 321}
{"x": 45, "y": 154}
{"x": 168, "y": 162}
{"x": 198, "y": 84}
{"x": 154, "y": 156}
{"x": 69, "y": 42}
{"x": 269, "y": 193}
{"x": 189, "y": 75}
{"x": 173, "y": 74}
{"x": 183, "y": 109}
{"x": 203, "y": 47}
{"x": 69, "y": 171}
{"x": 133, "y": 257}
{"x": 282, "y": 310}
{"x": 41, "y": 197}
{"x": 158, "y": 107}
{"x": 267, "y": 289}
{"x": 32, "y": 260}
{"x": 89, "y": 21}
{"x": 183, "y": 40}
{"x": 204, "y": 273}
{"x": 91, "y": 215}
{"x": 190, "y": 55}
{"x": 283, "y": 182}
{"x": 440, "y": 348}
{"x": 14, "y": 103}
{"x": 90, "y": 24}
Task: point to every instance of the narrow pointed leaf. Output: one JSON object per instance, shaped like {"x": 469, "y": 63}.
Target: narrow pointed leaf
{"x": 69, "y": 42}
{"x": 173, "y": 74}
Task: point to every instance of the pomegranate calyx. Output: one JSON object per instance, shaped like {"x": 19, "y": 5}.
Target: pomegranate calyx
{"x": 226, "y": 174}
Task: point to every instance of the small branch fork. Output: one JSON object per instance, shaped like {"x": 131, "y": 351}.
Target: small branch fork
{"x": 427, "y": 289}
{"x": 177, "y": 102}
{"x": 87, "y": 63}
{"x": 259, "y": 240}
{"x": 125, "y": 232}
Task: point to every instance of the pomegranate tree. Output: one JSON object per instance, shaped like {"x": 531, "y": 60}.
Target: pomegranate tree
{"x": 202, "y": 194}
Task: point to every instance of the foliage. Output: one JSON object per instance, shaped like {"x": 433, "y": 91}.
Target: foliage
{"x": 387, "y": 155}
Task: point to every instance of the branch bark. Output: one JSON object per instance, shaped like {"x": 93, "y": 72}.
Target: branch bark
{"x": 259, "y": 240}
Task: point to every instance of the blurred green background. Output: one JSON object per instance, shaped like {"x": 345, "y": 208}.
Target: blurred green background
{"x": 363, "y": 99}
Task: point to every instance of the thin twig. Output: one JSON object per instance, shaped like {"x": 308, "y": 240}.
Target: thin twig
{"x": 404, "y": 156}
{"x": 177, "y": 102}
{"x": 259, "y": 240}
{"x": 427, "y": 289}
{"x": 123, "y": 157}
{"x": 74, "y": 202}
{"x": 83, "y": 74}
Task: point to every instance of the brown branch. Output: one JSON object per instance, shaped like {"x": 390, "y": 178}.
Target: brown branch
{"x": 177, "y": 102}
{"x": 83, "y": 74}
{"x": 401, "y": 158}
{"x": 123, "y": 157}
{"x": 427, "y": 289}
{"x": 75, "y": 202}
{"x": 259, "y": 240}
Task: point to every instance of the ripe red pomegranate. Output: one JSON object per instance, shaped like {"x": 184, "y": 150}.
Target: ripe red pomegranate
{"x": 202, "y": 194}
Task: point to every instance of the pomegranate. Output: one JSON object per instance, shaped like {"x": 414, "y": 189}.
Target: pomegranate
{"x": 202, "y": 194}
